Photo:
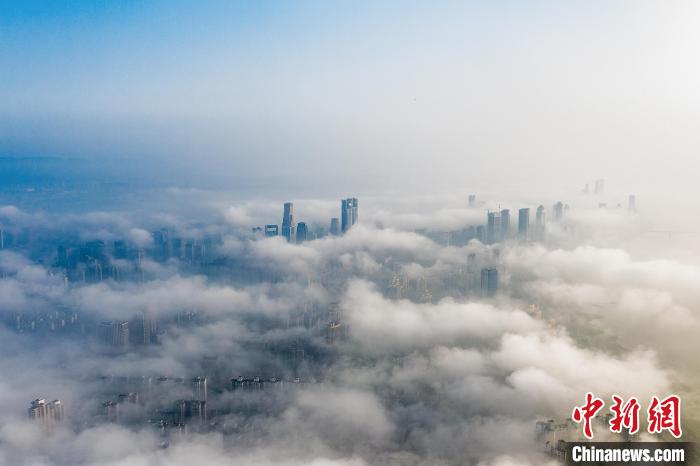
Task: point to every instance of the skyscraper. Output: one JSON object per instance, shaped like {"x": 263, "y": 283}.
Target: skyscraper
{"x": 558, "y": 210}
{"x": 599, "y": 187}
{"x": 288, "y": 225}
{"x": 472, "y": 200}
{"x": 540, "y": 223}
{"x": 348, "y": 213}
{"x": 489, "y": 281}
{"x": 493, "y": 227}
{"x": 335, "y": 226}
{"x": 540, "y": 217}
{"x": 176, "y": 247}
{"x": 632, "y": 203}
{"x": 480, "y": 234}
{"x": 199, "y": 388}
{"x": 141, "y": 329}
{"x": 505, "y": 224}
{"x": 523, "y": 223}
{"x": 161, "y": 241}
{"x": 302, "y": 232}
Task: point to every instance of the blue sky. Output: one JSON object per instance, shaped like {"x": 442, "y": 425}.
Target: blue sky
{"x": 410, "y": 88}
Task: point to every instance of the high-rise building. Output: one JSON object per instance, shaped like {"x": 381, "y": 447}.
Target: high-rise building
{"x": 481, "y": 234}
{"x": 505, "y": 224}
{"x": 176, "y": 248}
{"x": 122, "y": 333}
{"x": 489, "y": 281}
{"x": 161, "y": 241}
{"x": 190, "y": 411}
{"x": 472, "y": 200}
{"x": 271, "y": 230}
{"x": 540, "y": 217}
{"x": 599, "y": 187}
{"x": 335, "y": 226}
{"x": 110, "y": 410}
{"x": 523, "y": 223}
{"x": 198, "y": 411}
{"x": 46, "y": 413}
{"x": 302, "y": 232}
{"x": 141, "y": 329}
{"x": 632, "y": 203}
{"x": 114, "y": 333}
{"x": 540, "y": 223}
{"x": 348, "y": 213}
{"x": 199, "y": 388}
{"x": 558, "y": 210}
{"x": 493, "y": 227}
{"x": 288, "y": 225}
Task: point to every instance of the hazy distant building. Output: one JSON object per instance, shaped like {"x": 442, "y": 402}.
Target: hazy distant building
{"x": 190, "y": 412}
{"x": 176, "y": 247}
{"x": 335, "y": 226}
{"x": 632, "y": 203}
{"x": 302, "y": 232}
{"x": 489, "y": 281}
{"x": 348, "y": 211}
{"x": 493, "y": 227}
{"x": 110, "y": 410}
{"x": 523, "y": 223}
{"x": 288, "y": 225}
{"x": 199, "y": 388}
{"x": 481, "y": 233}
{"x": 114, "y": 333}
{"x": 540, "y": 223}
{"x": 472, "y": 200}
{"x": 141, "y": 330}
{"x": 599, "y": 187}
{"x": 161, "y": 242}
{"x": 194, "y": 250}
{"x": 558, "y": 210}
{"x": 540, "y": 216}
{"x": 46, "y": 413}
{"x": 505, "y": 224}
{"x": 271, "y": 230}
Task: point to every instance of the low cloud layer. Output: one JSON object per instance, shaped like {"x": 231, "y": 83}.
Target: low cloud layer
{"x": 397, "y": 356}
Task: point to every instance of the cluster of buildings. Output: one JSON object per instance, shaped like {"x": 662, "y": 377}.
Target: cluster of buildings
{"x": 188, "y": 408}
{"x": 299, "y": 232}
{"x": 140, "y": 330}
{"x": 94, "y": 261}
{"x": 46, "y": 413}
{"x": 164, "y": 402}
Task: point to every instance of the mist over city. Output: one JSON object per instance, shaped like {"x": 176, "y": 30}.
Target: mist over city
{"x": 346, "y": 233}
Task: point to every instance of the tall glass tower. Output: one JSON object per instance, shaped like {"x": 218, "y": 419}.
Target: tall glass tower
{"x": 288, "y": 224}
{"x": 348, "y": 211}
